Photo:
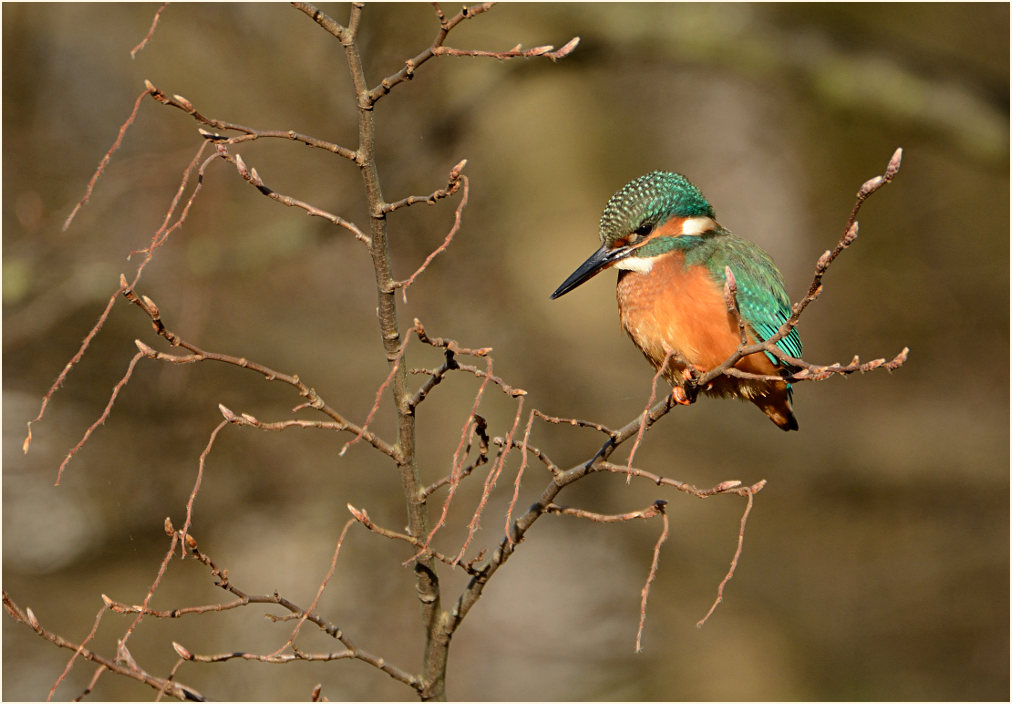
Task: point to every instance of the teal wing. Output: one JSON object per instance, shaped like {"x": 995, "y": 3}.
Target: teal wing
{"x": 762, "y": 300}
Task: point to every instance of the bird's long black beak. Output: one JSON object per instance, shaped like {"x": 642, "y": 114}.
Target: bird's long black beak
{"x": 597, "y": 262}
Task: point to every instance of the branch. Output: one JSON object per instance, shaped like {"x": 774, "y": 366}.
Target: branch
{"x": 147, "y": 37}
{"x": 330, "y": 629}
{"x": 456, "y": 179}
{"x": 812, "y": 371}
{"x": 451, "y": 187}
{"x": 480, "y": 428}
{"x": 174, "y": 689}
{"x": 734, "y": 560}
{"x": 253, "y": 178}
{"x": 105, "y": 161}
{"x": 548, "y": 51}
{"x": 363, "y": 517}
{"x": 102, "y": 418}
{"x": 156, "y": 241}
{"x": 437, "y": 48}
{"x": 654, "y": 509}
{"x": 250, "y": 133}
{"x": 200, "y": 355}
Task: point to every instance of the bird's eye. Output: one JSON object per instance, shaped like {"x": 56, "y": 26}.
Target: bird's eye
{"x": 640, "y": 232}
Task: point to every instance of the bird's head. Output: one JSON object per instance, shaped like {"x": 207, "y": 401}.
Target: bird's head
{"x": 639, "y": 218}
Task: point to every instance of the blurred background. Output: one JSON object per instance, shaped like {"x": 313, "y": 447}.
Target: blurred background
{"x": 876, "y": 561}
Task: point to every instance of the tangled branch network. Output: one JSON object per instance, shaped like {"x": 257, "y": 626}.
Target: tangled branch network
{"x": 428, "y": 495}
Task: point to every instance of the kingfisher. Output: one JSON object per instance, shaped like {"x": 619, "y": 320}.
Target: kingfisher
{"x": 661, "y": 233}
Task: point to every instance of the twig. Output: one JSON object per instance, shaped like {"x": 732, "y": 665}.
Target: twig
{"x": 516, "y": 52}
{"x": 749, "y": 494}
{"x": 481, "y": 430}
{"x": 448, "y": 344}
{"x": 484, "y": 373}
{"x": 730, "y": 486}
{"x": 94, "y": 680}
{"x": 537, "y": 452}
{"x": 199, "y": 355}
{"x": 438, "y": 49}
{"x": 646, "y": 409}
{"x": 435, "y": 377}
{"x": 157, "y": 239}
{"x": 251, "y": 176}
{"x": 175, "y": 689}
{"x": 70, "y": 663}
{"x": 147, "y": 37}
{"x": 102, "y": 418}
{"x": 249, "y": 133}
{"x": 246, "y": 420}
{"x": 201, "y": 463}
{"x": 105, "y": 161}
{"x": 319, "y": 592}
{"x": 411, "y": 65}
{"x": 491, "y": 479}
{"x": 396, "y": 363}
{"x": 452, "y": 186}
{"x": 330, "y": 629}
{"x": 164, "y": 230}
{"x": 650, "y": 578}
{"x": 576, "y": 422}
{"x": 455, "y": 179}
{"x": 363, "y": 517}
{"x": 816, "y": 372}
{"x": 456, "y": 473}
{"x": 657, "y": 507}
{"x": 520, "y": 472}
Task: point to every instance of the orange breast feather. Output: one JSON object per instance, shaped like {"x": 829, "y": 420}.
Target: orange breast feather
{"x": 673, "y": 308}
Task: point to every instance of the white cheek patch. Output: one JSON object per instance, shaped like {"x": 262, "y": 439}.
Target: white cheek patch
{"x": 641, "y": 264}
{"x": 697, "y": 226}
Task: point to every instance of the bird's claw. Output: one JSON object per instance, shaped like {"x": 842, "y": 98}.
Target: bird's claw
{"x": 679, "y": 397}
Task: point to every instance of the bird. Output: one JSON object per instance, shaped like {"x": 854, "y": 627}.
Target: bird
{"x": 672, "y": 257}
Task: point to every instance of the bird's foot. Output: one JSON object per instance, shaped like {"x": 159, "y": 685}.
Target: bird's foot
{"x": 678, "y": 396}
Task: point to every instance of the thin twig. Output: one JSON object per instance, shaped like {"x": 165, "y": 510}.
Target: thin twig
{"x": 520, "y": 472}
{"x": 157, "y": 239}
{"x": 105, "y": 160}
{"x": 734, "y": 561}
{"x": 646, "y": 410}
{"x": 576, "y": 422}
{"x": 816, "y": 372}
{"x": 181, "y": 103}
{"x": 330, "y": 629}
{"x": 650, "y": 578}
{"x": 491, "y": 479}
{"x": 102, "y": 418}
{"x": 251, "y": 176}
{"x": 403, "y": 285}
{"x": 147, "y": 37}
{"x": 362, "y": 517}
{"x": 456, "y": 473}
{"x": 452, "y": 186}
{"x": 307, "y": 392}
{"x": 174, "y": 689}
{"x": 481, "y": 430}
{"x": 319, "y": 592}
{"x": 70, "y": 663}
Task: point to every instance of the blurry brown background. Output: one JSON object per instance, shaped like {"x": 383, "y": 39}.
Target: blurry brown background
{"x": 876, "y": 560}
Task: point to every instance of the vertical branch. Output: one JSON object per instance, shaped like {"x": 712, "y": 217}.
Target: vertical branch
{"x": 434, "y": 662}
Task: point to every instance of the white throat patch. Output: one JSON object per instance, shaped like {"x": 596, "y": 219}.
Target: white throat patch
{"x": 633, "y": 263}
{"x": 690, "y": 226}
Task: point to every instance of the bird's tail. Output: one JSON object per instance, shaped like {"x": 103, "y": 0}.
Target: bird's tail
{"x": 777, "y": 406}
